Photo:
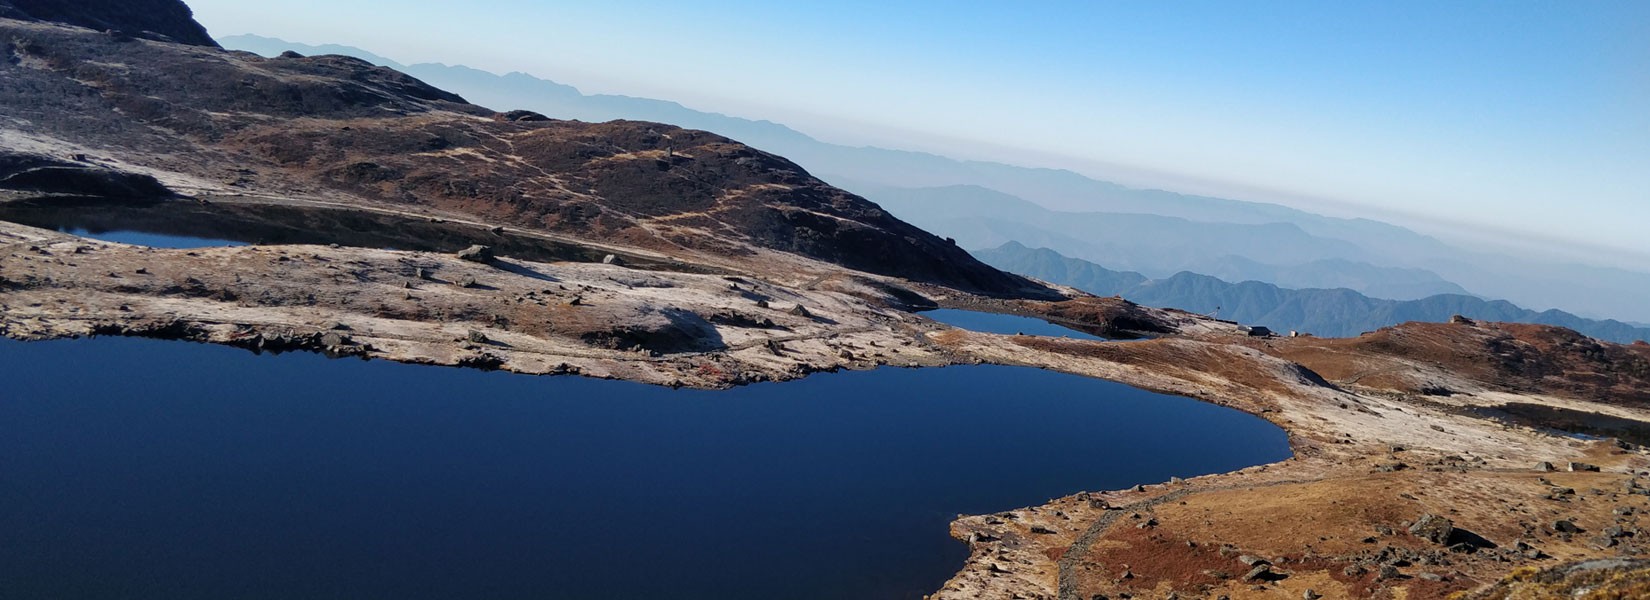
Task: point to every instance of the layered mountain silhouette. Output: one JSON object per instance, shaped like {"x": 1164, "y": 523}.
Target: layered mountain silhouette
{"x": 1390, "y": 262}
{"x": 1156, "y": 245}
{"x": 1323, "y": 312}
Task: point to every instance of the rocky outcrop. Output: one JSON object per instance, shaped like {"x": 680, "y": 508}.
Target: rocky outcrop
{"x": 163, "y": 20}
{"x": 34, "y": 173}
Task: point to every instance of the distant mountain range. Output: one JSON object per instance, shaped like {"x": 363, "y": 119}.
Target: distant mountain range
{"x": 1156, "y": 245}
{"x": 1196, "y": 233}
{"x": 1323, "y": 312}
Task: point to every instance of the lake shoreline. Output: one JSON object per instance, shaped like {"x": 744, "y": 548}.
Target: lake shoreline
{"x": 1378, "y": 440}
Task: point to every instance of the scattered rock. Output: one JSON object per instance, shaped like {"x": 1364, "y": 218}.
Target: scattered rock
{"x": 1433, "y": 528}
{"x": 477, "y": 253}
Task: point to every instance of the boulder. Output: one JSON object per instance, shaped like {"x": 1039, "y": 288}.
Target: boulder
{"x": 523, "y": 116}
{"x": 1433, "y": 528}
{"x": 1581, "y": 466}
{"x": 477, "y": 253}
{"x": 1260, "y": 572}
{"x": 612, "y": 259}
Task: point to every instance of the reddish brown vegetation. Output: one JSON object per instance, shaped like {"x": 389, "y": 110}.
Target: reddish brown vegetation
{"x": 1514, "y": 357}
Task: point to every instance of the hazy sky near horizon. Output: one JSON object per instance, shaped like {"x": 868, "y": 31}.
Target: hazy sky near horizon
{"x": 1525, "y": 116}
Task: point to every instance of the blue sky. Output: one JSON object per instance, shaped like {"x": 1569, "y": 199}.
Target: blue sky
{"x": 1532, "y": 117}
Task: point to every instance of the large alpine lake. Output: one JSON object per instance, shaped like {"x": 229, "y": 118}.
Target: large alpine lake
{"x": 141, "y": 469}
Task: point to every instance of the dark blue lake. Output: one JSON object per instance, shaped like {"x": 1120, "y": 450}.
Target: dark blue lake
{"x": 140, "y": 469}
{"x": 152, "y": 240}
{"x": 1004, "y": 324}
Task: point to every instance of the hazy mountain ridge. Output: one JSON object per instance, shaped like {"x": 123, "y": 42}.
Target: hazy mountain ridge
{"x": 1592, "y": 290}
{"x": 1055, "y": 188}
{"x": 1325, "y": 312}
{"x": 1158, "y": 246}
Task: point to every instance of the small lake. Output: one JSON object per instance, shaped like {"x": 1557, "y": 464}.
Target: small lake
{"x": 1005, "y": 324}
{"x": 224, "y": 222}
{"x": 141, "y": 469}
{"x": 152, "y": 240}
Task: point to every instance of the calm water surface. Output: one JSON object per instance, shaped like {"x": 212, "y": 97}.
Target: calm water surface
{"x": 152, "y": 240}
{"x": 1004, "y": 324}
{"x": 141, "y": 469}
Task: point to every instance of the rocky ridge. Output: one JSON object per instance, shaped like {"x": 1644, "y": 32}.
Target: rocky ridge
{"x": 161, "y": 20}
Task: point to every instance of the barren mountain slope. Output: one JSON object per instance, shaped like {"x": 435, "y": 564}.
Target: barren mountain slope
{"x": 207, "y": 121}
